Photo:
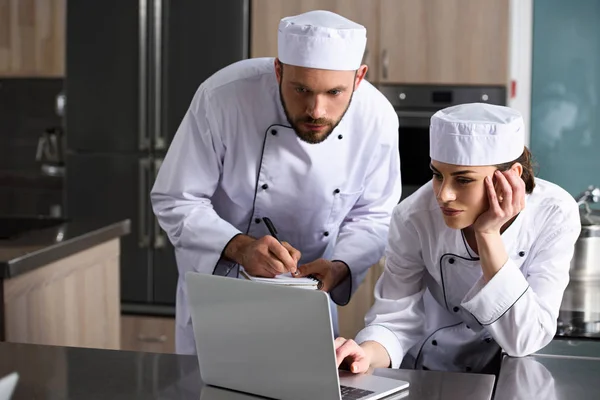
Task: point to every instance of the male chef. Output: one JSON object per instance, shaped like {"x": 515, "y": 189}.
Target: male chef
{"x": 301, "y": 139}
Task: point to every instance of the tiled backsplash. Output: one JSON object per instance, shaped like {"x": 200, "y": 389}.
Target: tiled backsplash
{"x": 27, "y": 109}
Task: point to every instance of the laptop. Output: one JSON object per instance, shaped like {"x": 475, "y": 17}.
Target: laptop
{"x": 272, "y": 341}
{"x": 7, "y": 385}
{"x": 215, "y": 393}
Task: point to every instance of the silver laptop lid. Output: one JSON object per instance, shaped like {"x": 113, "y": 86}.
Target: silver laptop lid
{"x": 261, "y": 346}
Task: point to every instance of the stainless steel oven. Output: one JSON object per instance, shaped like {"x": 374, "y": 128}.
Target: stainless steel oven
{"x": 415, "y": 104}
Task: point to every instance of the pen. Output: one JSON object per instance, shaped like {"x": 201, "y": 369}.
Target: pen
{"x": 273, "y": 233}
{"x": 271, "y": 228}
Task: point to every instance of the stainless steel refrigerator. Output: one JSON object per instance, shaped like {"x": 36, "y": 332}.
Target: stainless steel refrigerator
{"x": 132, "y": 70}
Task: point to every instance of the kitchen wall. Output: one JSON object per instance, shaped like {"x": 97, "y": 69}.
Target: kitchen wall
{"x": 26, "y": 110}
{"x": 565, "y": 129}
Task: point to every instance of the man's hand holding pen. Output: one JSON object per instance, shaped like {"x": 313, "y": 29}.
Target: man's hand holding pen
{"x": 265, "y": 257}
{"x": 269, "y": 257}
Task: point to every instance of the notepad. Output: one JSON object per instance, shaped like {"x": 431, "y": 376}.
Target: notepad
{"x": 284, "y": 279}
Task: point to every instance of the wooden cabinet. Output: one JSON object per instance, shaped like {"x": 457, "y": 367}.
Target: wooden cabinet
{"x": 444, "y": 41}
{"x": 266, "y": 15}
{"x": 410, "y": 41}
{"x": 148, "y": 334}
{"x": 32, "y": 38}
{"x": 74, "y": 301}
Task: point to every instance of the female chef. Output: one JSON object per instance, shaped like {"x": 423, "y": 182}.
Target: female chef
{"x": 477, "y": 260}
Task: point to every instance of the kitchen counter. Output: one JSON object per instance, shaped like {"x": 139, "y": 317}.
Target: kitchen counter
{"x": 60, "y": 281}
{"x": 40, "y": 247}
{"x": 565, "y": 369}
{"x": 76, "y": 373}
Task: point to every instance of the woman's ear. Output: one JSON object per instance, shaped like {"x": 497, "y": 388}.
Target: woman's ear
{"x": 517, "y": 168}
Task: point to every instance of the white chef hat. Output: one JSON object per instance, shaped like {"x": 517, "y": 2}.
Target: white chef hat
{"x": 321, "y": 39}
{"x": 476, "y": 134}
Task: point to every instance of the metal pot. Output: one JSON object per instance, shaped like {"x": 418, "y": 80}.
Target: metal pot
{"x": 580, "y": 309}
{"x": 585, "y": 265}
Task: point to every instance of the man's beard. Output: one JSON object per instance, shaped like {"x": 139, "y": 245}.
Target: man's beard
{"x": 311, "y": 137}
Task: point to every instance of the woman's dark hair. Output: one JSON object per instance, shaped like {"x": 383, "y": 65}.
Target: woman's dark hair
{"x": 526, "y": 160}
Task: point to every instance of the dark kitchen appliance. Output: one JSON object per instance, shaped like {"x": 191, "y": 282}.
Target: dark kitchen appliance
{"x": 132, "y": 70}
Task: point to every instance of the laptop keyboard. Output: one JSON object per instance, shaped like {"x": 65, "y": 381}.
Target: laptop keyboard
{"x": 352, "y": 393}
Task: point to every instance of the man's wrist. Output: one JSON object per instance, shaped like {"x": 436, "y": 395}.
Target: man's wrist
{"x": 340, "y": 271}
{"x": 233, "y": 249}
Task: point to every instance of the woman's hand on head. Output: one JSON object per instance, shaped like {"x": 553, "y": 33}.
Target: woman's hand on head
{"x": 506, "y": 200}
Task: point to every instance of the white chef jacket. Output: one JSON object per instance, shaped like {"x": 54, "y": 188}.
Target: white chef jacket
{"x": 433, "y": 309}
{"x": 235, "y": 159}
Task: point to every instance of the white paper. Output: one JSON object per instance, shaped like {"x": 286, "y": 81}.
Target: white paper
{"x": 283, "y": 279}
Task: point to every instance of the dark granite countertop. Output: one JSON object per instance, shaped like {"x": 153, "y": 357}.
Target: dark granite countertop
{"x": 48, "y": 372}
{"x": 565, "y": 369}
{"x": 38, "y": 247}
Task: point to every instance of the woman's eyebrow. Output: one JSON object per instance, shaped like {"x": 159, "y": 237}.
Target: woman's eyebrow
{"x": 464, "y": 172}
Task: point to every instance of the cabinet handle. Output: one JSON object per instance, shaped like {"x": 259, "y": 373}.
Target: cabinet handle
{"x": 385, "y": 61}
{"x": 143, "y": 76}
{"x": 152, "y": 339}
{"x": 159, "y": 140}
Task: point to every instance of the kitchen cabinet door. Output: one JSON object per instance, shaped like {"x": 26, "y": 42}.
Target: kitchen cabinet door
{"x": 107, "y": 87}
{"x": 266, "y": 15}
{"x": 147, "y": 334}
{"x": 110, "y": 188}
{"x": 32, "y": 38}
{"x": 444, "y": 41}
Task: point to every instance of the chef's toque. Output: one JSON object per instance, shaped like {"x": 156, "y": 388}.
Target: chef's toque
{"x": 321, "y": 39}
{"x": 476, "y": 134}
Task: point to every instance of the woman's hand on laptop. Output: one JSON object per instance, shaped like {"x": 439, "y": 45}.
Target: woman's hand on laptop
{"x": 359, "y": 359}
{"x": 349, "y": 355}
{"x": 264, "y": 257}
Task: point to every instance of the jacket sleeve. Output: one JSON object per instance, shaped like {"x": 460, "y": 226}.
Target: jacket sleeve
{"x": 520, "y": 311}
{"x": 363, "y": 233}
{"x": 396, "y": 319}
{"x": 185, "y": 183}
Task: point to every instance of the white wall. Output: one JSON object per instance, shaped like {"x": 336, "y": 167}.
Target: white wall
{"x": 520, "y": 54}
